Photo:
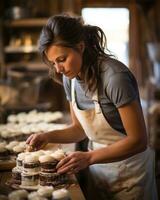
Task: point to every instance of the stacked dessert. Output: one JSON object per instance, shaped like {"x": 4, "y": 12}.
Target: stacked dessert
{"x": 30, "y": 171}
{"x": 17, "y": 171}
{"x": 38, "y": 168}
{"x": 48, "y": 174}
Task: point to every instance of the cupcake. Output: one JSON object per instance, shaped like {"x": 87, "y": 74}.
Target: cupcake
{"x": 61, "y": 194}
{"x": 11, "y": 145}
{"x": 35, "y": 196}
{"x": 30, "y": 172}
{"x": 48, "y": 163}
{"x": 20, "y": 158}
{"x": 31, "y": 164}
{"x": 18, "y": 195}
{"x": 45, "y": 191}
{"x": 58, "y": 154}
{"x": 18, "y": 149}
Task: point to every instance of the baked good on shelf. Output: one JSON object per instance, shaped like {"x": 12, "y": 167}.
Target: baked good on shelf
{"x": 11, "y": 145}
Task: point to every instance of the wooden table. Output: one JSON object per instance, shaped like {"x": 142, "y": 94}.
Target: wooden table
{"x": 75, "y": 190}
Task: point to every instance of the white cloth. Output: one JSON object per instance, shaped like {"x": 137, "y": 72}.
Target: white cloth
{"x": 130, "y": 179}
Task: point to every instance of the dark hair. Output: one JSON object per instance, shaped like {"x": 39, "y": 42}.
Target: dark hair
{"x": 68, "y": 31}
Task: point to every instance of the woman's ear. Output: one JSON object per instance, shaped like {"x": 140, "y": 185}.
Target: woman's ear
{"x": 81, "y": 47}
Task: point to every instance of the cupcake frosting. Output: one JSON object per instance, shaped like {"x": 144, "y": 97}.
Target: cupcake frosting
{"x": 11, "y": 145}
{"x": 45, "y": 191}
{"x": 2, "y": 147}
{"x": 58, "y": 155}
{"x": 61, "y": 193}
{"x": 46, "y": 158}
{"x": 22, "y": 155}
{"x": 18, "y": 148}
{"x": 18, "y": 194}
{"x": 31, "y": 159}
{"x": 39, "y": 153}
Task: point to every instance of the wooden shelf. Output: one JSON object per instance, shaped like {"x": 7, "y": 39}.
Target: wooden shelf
{"x": 21, "y": 49}
{"x": 30, "y": 22}
{"x": 30, "y": 65}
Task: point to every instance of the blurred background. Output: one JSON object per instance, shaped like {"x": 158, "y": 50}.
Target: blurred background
{"x": 133, "y": 33}
{"x": 132, "y": 28}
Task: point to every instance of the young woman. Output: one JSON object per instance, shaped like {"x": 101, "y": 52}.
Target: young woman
{"x": 105, "y": 107}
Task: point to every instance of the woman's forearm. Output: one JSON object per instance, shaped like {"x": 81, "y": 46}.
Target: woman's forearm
{"x": 116, "y": 152}
{"x": 70, "y": 134}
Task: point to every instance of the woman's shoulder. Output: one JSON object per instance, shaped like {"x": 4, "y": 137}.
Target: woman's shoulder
{"x": 113, "y": 66}
{"x": 114, "y": 72}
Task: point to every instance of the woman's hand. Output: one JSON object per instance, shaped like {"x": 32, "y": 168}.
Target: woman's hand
{"x": 37, "y": 141}
{"x": 74, "y": 162}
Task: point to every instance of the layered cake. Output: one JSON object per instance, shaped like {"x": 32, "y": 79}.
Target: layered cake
{"x": 48, "y": 174}
{"x": 30, "y": 173}
{"x": 61, "y": 194}
{"x": 31, "y": 164}
{"x": 49, "y": 179}
{"x": 38, "y": 168}
{"x": 48, "y": 163}
{"x": 16, "y": 171}
{"x": 20, "y": 158}
{"x": 29, "y": 180}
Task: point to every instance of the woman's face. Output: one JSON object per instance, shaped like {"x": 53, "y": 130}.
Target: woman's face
{"x": 65, "y": 60}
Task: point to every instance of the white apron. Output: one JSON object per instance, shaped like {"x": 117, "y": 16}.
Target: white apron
{"x": 130, "y": 179}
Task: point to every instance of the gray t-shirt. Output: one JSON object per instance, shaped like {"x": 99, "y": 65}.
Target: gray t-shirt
{"x": 117, "y": 87}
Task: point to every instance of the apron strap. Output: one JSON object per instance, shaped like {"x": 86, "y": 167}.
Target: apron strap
{"x": 94, "y": 98}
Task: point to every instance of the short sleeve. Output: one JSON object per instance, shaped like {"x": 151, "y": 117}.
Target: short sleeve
{"x": 67, "y": 88}
{"x": 122, "y": 89}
